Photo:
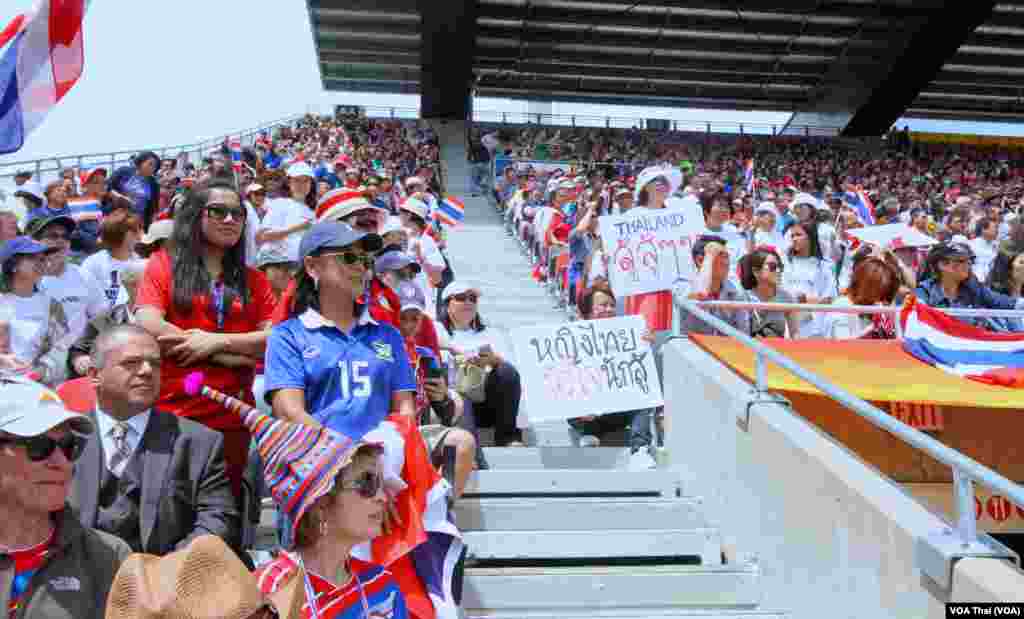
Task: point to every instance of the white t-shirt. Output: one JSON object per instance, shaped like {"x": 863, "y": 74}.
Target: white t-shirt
{"x": 845, "y": 326}
{"x": 469, "y": 342}
{"x": 284, "y": 213}
{"x": 810, "y": 276}
{"x": 79, "y": 294}
{"x": 985, "y": 253}
{"x": 735, "y": 245}
{"x": 253, "y": 224}
{"x": 427, "y": 254}
{"x": 106, "y": 271}
{"x": 31, "y": 318}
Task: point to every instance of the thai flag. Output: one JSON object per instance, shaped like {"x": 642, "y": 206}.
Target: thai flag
{"x": 235, "y": 146}
{"x": 862, "y": 206}
{"x": 451, "y": 211}
{"x": 748, "y": 176}
{"x": 962, "y": 349}
{"x": 42, "y": 60}
{"x": 85, "y": 206}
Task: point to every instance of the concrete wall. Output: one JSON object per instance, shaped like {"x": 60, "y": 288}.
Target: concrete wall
{"x": 833, "y": 537}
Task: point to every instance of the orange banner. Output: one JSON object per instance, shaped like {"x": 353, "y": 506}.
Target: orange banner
{"x": 874, "y": 370}
{"x": 919, "y": 137}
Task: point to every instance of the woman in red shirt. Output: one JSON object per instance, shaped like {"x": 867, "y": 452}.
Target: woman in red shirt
{"x": 209, "y": 312}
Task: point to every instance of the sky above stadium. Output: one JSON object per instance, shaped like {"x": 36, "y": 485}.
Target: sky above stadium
{"x": 169, "y": 73}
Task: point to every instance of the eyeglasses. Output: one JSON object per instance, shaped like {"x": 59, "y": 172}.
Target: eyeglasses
{"x": 772, "y": 267}
{"x": 465, "y": 297}
{"x": 41, "y": 447}
{"x": 348, "y": 258}
{"x": 367, "y": 485}
{"x": 220, "y": 212}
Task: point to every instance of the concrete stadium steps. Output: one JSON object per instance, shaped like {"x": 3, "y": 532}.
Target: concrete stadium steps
{"x": 641, "y": 590}
{"x": 520, "y": 458}
{"x": 568, "y": 483}
{"x": 567, "y": 514}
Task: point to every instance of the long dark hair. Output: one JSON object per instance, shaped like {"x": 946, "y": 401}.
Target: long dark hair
{"x": 811, "y": 230}
{"x": 1002, "y": 271}
{"x": 191, "y": 278}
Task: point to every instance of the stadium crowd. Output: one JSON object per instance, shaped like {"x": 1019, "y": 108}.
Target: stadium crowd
{"x": 282, "y": 320}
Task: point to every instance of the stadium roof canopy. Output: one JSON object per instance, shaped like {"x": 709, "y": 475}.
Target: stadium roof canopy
{"x": 854, "y": 64}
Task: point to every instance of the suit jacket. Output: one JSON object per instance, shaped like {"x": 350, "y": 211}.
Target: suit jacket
{"x": 185, "y": 489}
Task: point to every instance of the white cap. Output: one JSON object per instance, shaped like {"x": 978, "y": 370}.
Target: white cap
{"x": 456, "y": 288}
{"x": 672, "y": 175}
{"x": 29, "y": 409}
{"x": 300, "y": 168}
{"x": 767, "y": 207}
{"x": 159, "y": 230}
{"x": 804, "y": 198}
{"x": 415, "y": 206}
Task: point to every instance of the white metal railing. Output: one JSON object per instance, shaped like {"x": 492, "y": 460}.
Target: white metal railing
{"x": 936, "y": 552}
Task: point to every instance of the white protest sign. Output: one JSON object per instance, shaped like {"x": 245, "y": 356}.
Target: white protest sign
{"x": 892, "y": 236}
{"x": 648, "y": 249}
{"x": 590, "y": 367}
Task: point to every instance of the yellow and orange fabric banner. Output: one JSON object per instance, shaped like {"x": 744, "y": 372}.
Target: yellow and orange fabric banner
{"x": 873, "y": 370}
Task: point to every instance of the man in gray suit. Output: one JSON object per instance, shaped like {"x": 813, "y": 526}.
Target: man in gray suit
{"x": 149, "y": 477}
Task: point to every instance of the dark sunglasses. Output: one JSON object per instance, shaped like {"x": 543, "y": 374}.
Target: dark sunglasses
{"x": 41, "y": 447}
{"x": 466, "y": 297}
{"x": 366, "y": 485}
{"x": 349, "y": 258}
{"x": 217, "y": 212}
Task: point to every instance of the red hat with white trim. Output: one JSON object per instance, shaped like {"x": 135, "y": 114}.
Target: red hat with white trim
{"x": 340, "y": 203}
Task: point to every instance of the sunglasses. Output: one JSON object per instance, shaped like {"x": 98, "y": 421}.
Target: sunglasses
{"x": 465, "y": 297}
{"x": 366, "y": 485}
{"x": 772, "y": 267}
{"x": 40, "y": 448}
{"x": 349, "y": 258}
{"x": 218, "y": 212}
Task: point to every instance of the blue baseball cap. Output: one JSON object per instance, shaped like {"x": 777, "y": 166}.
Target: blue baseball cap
{"x": 20, "y": 245}
{"x": 394, "y": 260}
{"x": 335, "y": 235}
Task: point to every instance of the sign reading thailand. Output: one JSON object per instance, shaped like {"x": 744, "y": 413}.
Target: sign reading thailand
{"x": 649, "y": 250}
{"x": 590, "y": 367}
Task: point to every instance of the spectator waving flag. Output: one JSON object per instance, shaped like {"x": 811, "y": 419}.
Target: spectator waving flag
{"x": 956, "y": 347}
{"x": 862, "y": 206}
{"x": 42, "y": 58}
{"x": 85, "y": 208}
{"x": 749, "y": 182}
{"x": 235, "y": 146}
{"x": 450, "y": 212}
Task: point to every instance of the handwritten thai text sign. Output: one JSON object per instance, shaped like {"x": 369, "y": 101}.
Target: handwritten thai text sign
{"x": 648, "y": 250}
{"x": 591, "y": 367}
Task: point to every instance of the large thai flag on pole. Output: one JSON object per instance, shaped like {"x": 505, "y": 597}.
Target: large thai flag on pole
{"x": 862, "y": 206}
{"x": 962, "y": 349}
{"x": 42, "y": 59}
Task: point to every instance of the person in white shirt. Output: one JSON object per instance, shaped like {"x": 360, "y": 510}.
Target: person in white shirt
{"x": 80, "y": 295}
{"x": 36, "y": 328}
{"x": 718, "y": 215}
{"x": 119, "y": 232}
{"x": 985, "y": 247}
{"x": 255, "y": 211}
{"x": 765, "y": 234}
{"x": 413, "y": 213}
{"x": 809, "y": 276}
{"x": 287, "y": 219}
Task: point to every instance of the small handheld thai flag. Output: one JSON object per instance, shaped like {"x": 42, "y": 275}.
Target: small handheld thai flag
{"x": 962, "y": 349}
{"x": 235, "y": 146}
{"x": 90, "y": 207}
{"x": 862, "y": 206}
{"x": 450, "y": 212}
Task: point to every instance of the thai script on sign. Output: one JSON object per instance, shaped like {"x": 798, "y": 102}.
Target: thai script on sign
{"x": 586, "y": 368}
{"x": 649, "y": 250}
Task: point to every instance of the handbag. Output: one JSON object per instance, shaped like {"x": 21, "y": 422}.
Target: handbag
{"x": 470, "y": 380}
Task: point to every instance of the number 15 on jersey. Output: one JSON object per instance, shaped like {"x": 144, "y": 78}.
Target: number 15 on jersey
{"x": 355, "y": 380}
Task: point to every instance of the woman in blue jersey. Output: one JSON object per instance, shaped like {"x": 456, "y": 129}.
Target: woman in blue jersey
{"x": 331, "y": 363}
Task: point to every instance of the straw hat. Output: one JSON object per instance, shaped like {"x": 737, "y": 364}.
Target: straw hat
{"x": 205, "y": 580}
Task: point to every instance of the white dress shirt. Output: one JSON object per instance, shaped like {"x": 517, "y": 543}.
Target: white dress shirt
{"x": 105, "y": 424}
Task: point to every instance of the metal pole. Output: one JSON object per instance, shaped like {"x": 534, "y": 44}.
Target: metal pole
{"x": 761, "y": 373}
{"x": 967, "y": 525}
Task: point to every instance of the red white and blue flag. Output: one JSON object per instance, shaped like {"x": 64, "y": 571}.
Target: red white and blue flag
{"x": 235, "y": 146}
{"x": 959, "y": 348}
{"x": 85, "y": 206}
{"x": 862, "y": 206}
{"x": 450, "y": 212}
{"x": 41, "y": 59}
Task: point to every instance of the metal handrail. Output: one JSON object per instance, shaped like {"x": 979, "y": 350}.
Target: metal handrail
{"x": 966, "y": 471}
{"x": 857, "y": 309}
